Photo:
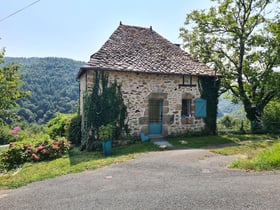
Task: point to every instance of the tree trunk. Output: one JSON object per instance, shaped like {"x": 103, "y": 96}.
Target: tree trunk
{"x": 254, "y": 115}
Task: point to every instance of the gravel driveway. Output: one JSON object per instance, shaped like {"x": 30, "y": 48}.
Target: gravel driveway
{"x": 177, "y": 179}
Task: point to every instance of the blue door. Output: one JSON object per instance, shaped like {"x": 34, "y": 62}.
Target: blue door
{"x": 155, "y": 117}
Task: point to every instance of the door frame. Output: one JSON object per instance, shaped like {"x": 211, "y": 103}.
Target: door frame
{"x": 155, "y": 121}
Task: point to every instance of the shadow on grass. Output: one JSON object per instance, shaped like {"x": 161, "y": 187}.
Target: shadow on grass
{"x": 218, "y": 141}
{"x": 202, "y": 142}
{"x": 76, "y": 156}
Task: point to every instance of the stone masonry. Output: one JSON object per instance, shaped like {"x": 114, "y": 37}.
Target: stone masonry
{"x": 139, "y": 88}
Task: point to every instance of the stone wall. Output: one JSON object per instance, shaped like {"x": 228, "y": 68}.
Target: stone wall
{"x": 139, "y": 88}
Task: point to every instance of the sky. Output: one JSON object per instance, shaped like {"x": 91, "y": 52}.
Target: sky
{"x": 77, "y": 29}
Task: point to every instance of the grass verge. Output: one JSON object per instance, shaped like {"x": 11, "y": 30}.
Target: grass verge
{"x": 268, "y": 159}
{"x": 262, "y": 153}
{"x": 256, "y": 152}
{"x": 213, "y": 141}
{"x": 75, "y": 161}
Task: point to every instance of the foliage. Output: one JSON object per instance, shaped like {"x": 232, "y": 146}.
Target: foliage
{"x": 5, "y": 135}
{"x": 229, "y": 122}
{"x": 73, "y": 130}
{"x": 271, "y": 118}
{"x": 209, "y": 88}
{"x": 57, "y": 126}
{"x": 10, "y": 86}
{"x": 33, "y": 150}
{"x": 102, "y": 105}
{"x": 106, "y": 132}
{"x": 239, "y": 39}
{"x": 53, "y": 86}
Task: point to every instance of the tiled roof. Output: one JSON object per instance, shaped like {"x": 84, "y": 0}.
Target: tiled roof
{"x": 139, "y": 49}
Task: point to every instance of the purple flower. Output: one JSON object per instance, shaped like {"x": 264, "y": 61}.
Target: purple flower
{"x": 15, "y": 130}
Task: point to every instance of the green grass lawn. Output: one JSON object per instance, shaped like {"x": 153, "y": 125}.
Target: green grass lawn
{"x": 75, "y": 161}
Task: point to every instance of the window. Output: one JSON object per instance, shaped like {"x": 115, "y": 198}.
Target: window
{"x": 186, "y": 107}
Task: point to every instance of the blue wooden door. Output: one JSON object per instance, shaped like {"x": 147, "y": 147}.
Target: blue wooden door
{"x": 155, "y": 117}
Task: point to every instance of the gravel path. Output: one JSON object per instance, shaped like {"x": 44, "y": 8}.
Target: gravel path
{"x": 177, "y": 179}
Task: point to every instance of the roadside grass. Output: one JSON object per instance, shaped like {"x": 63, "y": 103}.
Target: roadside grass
{"x": 213, "y": 141}
{"x": 256, "y": 152}
{"x": 267, "y": 159}
{"x": 261, "y": 153}
{"x": 75, "y": 161}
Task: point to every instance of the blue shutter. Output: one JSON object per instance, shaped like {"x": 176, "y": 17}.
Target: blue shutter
{"x": 200, "y": 108}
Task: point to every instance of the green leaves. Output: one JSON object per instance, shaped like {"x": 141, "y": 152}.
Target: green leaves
{"x": 240, "y": 39}
{"x": 103, "y": 105}
{"x": 10, "y": 90}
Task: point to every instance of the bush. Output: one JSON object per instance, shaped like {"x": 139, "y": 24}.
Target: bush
{"x": 5, "y": 135}
{"x": 34, "y": 150}
{"x": 73, "y": 130}
{"x": 271, "y": 117}
{"x": 57, "y": 126}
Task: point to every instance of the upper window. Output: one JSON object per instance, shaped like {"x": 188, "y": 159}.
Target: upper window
{"x": 187, "y": 107}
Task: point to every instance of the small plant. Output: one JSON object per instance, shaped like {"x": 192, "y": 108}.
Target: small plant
{"x": 5, "y": 135}
{"x": 106, "y": 132}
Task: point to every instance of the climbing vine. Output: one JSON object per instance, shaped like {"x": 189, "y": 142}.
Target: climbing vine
{"x": 102, "y": 105}
{"x": 209, "y": 90}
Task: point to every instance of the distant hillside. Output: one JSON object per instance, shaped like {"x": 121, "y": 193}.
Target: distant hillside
{"x": 53, "y": 84}
{"x": 226, "y": 107}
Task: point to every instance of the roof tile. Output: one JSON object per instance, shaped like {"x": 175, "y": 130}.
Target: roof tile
{"x": 139, "y": 49}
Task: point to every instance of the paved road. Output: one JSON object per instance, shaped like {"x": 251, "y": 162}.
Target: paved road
{"x": 181, "y": 179}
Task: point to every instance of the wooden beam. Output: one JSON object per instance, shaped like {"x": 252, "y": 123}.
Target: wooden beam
{"x": 187, "y": 85}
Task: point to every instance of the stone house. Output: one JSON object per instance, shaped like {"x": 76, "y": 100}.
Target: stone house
{"x": 160, "y": 81}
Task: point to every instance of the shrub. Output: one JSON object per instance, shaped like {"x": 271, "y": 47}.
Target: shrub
{"x": 73, "y": 130}
{"x": 5, "y": 135}
{"x": 271, "y": 117}
{"x": 35, "y": 150}
{"x": 57, "y": 125}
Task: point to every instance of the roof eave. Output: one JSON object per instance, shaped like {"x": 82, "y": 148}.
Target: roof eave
{"x": 85, "y": 68}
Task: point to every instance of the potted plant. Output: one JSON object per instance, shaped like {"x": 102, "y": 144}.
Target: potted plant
{"x": 105, "y": 135}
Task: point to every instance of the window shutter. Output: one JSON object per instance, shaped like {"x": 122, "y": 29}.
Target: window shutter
{"x": 200, "y": 108}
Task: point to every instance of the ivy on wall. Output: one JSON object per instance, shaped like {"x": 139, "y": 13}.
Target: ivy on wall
{"x": 102, "y": 105}
{"x": 209, "y": 90}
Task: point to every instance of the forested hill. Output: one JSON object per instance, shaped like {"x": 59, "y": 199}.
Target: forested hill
{"x": 53, "y": 84}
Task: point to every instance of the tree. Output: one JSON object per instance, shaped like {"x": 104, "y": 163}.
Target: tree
{"x": 240, "y": 40}
{"x": 103, "y": 105}
{"x": 10, "y": 91}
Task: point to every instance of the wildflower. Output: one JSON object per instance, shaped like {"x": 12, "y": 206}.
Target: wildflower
{"x": 15, "y": 130}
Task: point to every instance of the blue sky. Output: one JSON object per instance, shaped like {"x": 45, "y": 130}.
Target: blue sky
{"x": 77, "y": 29}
